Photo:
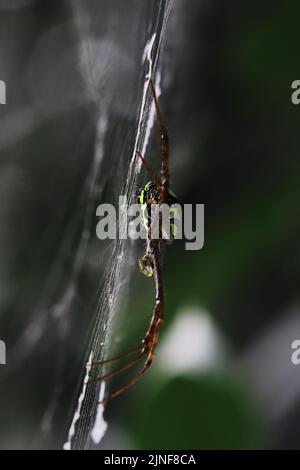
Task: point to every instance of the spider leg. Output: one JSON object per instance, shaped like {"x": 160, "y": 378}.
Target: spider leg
{"x": 117, "y": 371}
{"x": 115, "y": 358}
{"x": 151, "y": 338}
{"x": 164, "y": 145}
{"x": 132, "y": 381}
{"x": 151, "y": 172}
{"x": 158, "y": 312}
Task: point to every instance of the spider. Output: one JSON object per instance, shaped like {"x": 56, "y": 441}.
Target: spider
{"x": 157, "y": 192}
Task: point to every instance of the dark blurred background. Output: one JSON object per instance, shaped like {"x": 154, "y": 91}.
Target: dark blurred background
{"x": 223, "y": 377}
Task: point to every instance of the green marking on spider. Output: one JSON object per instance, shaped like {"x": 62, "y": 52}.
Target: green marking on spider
{"x": 149, "y": 195}
{"x": 142, "y": 197}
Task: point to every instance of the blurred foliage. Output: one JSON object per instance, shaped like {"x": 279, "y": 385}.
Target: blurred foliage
{"x": 267, "y": 53}
{"x": 197, "y": 412}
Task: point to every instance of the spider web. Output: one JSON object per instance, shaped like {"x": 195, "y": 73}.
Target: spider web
{"x": 87, "y": 424}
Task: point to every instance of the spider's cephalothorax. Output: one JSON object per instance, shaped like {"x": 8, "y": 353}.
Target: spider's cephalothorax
{"x": 150, "y": 195}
